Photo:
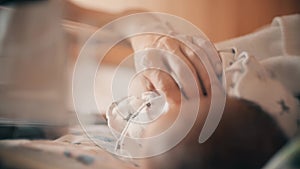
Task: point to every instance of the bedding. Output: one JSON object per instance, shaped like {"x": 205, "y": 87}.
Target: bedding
{"x": 73, "y": 150}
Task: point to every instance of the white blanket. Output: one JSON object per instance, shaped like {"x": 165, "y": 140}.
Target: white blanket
{"x": 266, "y": 70}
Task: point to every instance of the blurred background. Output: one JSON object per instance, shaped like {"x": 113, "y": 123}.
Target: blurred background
{"x": 36, "y": 79}
{"x": 218, "y": 19}
{"x": 39, "y": 43}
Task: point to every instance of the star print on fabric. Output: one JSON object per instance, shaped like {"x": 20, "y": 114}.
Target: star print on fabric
{"x": 284, "y": 107}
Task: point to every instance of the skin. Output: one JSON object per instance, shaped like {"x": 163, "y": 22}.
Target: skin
{"x": 245, "y": 138}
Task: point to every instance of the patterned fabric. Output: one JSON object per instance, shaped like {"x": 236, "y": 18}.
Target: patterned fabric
{"x": 266, "y": 70}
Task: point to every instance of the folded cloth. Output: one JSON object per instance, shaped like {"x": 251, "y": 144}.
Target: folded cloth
{"x": 266, "y": 70}
{"x": 289, "y": 29}
{"x": 281, "y": 38}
